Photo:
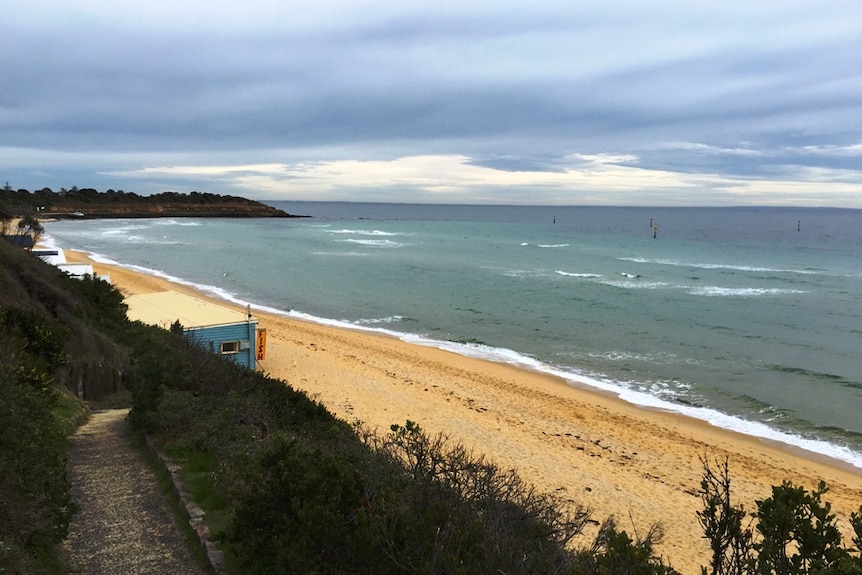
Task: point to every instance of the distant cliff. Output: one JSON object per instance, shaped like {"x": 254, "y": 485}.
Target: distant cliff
{"x": 90, "y": 203}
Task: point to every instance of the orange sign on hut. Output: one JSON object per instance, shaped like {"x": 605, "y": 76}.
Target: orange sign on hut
{"x": 261, "y": 344}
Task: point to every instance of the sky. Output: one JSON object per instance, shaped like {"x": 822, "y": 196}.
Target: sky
{"x": 571, "y": 102}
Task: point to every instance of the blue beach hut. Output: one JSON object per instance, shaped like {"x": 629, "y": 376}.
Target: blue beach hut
{"x": 224, "y": 331}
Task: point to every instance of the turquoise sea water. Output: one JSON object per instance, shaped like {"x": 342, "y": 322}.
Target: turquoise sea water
{"x": 750, "y": 318}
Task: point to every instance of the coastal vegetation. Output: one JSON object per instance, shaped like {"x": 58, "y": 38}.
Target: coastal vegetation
{"x": 288, "y": 487}
{"x": 49, "y": 336}
{"x": 90, "y": 203}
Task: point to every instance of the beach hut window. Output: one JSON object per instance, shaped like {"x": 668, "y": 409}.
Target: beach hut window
{"x": 229, "y": 347}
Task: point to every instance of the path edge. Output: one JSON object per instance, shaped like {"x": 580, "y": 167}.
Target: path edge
{"x": 191, "y": 512}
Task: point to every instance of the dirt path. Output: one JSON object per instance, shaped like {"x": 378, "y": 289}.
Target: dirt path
{"x": 125, "y": 523}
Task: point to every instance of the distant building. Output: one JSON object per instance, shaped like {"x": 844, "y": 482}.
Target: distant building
{"x": 78, "y": 270}
{"x": 223, "y": 331}
{"x": 57, "y": 257}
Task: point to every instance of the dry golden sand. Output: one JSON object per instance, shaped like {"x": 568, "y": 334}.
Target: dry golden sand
{"x": 639, "y": 465}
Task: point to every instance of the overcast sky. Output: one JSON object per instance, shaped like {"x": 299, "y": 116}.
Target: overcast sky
{"x": 467, "y": 101}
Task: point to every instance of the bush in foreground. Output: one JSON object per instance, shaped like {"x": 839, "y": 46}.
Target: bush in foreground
{"x": 309, "y": 493}
{"x": 793, "y": 532}
{"x": 35, "y": 494}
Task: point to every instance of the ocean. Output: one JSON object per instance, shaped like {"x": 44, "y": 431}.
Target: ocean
{"x": 748, "y": 318}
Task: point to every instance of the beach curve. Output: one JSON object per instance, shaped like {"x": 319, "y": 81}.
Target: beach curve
{"x": 640, "y": 465}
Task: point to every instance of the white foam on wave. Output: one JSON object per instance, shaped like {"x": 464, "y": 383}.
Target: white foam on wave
{"x": 732, "y": 267}
{"x": 628, "y": 284}
{"x": 172, "y": 222}
{"x": 214, "y": 291}
{"x": 122, "y": 233}
{"x": 711, "y": 416}
{"x": 380, "y": 320}
{"x": 343, "y": 254}
{"x": 546, "y": 245}
{"x": 163, "y": 241}
{"x": 375, "y": 243}
{"x": 717, "y": 291}
{"x": 121, "y": 230}
{"x": 364, "y": 232}
{"x": 702, "y": 291}
{"x": 520, "y": 273}
{"x": 578, "y": 274}
{"x": 48, "y": 242}
{"x": 656, "y": 357}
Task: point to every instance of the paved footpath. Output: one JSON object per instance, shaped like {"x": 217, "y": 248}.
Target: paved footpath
{"x": 125, "y": 523}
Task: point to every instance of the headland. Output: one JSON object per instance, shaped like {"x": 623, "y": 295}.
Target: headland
{"x": 88, "y": 203}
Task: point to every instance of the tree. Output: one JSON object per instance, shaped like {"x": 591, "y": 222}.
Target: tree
{"x": 30, "y": 225}
{"x": 798, "y": 531}
{"x": 795, "y": 532}
{"x": 730, "y": 542}
{"x": 5, "y": 222}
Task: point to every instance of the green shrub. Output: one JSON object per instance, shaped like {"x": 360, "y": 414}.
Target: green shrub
{"x": 41, "y": 341}
{"x": 795, "y": 532}
{"x": 798, "y": 533}
{"x": 35, "y": 494}
{"x": 722, "y": 522}
{"x": 305, "y": 514}
{"x": 615, "y": 553}
{"x": 465, "y": 513}
{"x": 404, "y": 502}
{"x": 102, "y": 304}
{"x": 152, "y": 368}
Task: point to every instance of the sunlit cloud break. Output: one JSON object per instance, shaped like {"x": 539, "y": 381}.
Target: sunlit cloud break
{"x": 456, "y": 179}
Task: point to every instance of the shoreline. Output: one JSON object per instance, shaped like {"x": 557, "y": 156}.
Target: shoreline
{"x": 637, "y": 463}
{"x": 817, "y": 449}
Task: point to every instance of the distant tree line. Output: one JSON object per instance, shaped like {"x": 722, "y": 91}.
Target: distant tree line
{"x": 91, "y": 202}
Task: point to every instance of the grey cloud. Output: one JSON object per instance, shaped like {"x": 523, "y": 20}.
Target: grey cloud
{"x": 513, "y": 87}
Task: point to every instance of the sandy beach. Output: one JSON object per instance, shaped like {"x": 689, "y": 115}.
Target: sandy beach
{"x": 639, "y": 465}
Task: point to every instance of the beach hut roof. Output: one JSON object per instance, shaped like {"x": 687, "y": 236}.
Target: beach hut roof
{"x": 164, "y": 308}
